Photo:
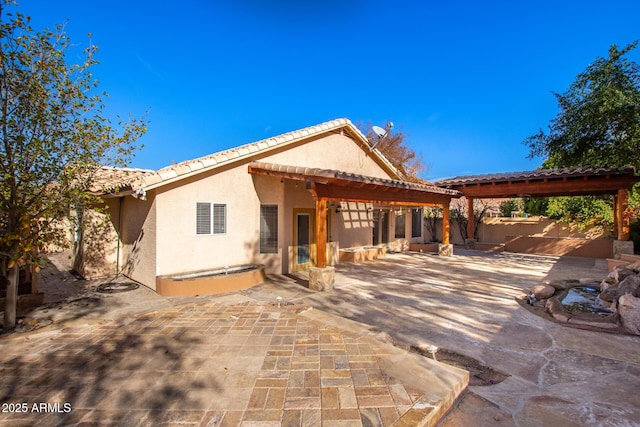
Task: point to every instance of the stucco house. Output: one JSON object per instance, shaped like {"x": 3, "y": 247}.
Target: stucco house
{"x": 285, "y": 203}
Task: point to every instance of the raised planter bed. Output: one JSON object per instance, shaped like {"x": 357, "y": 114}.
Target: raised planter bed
{"x": 210, "y": 282}
{"x": 362, "y": 253}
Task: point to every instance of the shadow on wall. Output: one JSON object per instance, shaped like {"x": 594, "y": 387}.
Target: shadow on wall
{"x": 134, "y": 257}
{"x": 272, "y": 262}
{"x": 95, "y": 246}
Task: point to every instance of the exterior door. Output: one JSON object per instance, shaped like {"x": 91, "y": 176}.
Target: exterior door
{"x": 303, "y": 238}
{"x": 380, "y": 227}
{"x": 303, "y": 255}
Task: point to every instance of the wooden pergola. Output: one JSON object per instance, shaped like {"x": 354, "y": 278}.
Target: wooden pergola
{"x": 328, "y": 185}
{"x": 552, "y": 182}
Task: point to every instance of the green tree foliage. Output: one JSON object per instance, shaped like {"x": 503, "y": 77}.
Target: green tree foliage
{"x": 598, "y": 125}
{"x": 509, "y": 206}
{"x": 585, "y": 211}
{"x": 599, "y": 119}
{"x": 536, "y": 206}
{"x": 54, "y": 137}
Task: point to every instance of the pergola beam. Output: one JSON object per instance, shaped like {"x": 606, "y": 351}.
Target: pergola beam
{"x": 554, "y": 182}
{"x": 329, "y": 185}
{"x": 578, "y": 186}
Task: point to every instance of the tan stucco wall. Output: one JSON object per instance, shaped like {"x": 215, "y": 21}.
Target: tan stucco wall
{"x": 333, "y": 151}
{"x": 597, "y": 248}
{"x": 138, "y": 239}
{"x": 180, "y": 250}
{"x": 495, "y": 230}
{"x": 352, "y": 225}
{"x": 95, "y": 248}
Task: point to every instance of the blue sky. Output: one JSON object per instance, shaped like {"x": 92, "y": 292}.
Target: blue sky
{"x": 466, "y": 81}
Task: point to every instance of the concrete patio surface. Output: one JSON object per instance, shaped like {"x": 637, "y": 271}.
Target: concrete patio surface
{"x": 137, "y": 358}
{"x": 559, "y": 376}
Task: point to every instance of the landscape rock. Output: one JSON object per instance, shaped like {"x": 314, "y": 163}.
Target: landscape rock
{"x": 556, "y": 310}
{"x": 629, "y": 285}
{"x": 543, "y": 291}
{"x": 619, "y": 274}
{"x": 608, "y": 283}
{"x": 629, "y": 311}
{"x": 609, "y": 295}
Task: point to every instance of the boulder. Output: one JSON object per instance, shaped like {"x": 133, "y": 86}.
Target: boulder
{"x": 629, "y": 311}
{"x": 543, "y": 291}
{"x": 621, "y": 273}
{"x": 609, "y": 295}
{"x": 629, "y": 285}
{"x": 608, "y": 283}
{"x": 605, "y": 303}
{"x": 556, "y": 310}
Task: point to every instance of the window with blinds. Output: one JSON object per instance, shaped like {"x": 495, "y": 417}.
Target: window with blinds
{"x": 211, "y": 218}
{"x": 219, "y": 218}
{"x": 268, "y": 229}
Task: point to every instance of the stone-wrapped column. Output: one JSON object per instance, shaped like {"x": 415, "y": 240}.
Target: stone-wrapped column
{"x": 445, "y": 249}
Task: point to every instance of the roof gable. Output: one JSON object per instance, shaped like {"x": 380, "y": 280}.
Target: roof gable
{"x": 246, "y": 152}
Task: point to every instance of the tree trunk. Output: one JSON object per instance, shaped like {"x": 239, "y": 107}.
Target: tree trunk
{"x": 11, "y": 301}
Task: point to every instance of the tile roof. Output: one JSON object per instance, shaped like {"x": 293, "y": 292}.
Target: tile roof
{"x": 318, "y": 173}
{"x": 109, "y": 180}
{"x": 535, "y": 175}
{"x": 191, "y": 167}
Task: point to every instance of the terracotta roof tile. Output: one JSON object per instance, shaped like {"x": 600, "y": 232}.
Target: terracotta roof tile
{"x": 534, "y": 175}
{"x": 347, "y": 176}
{"x": 186, "y": 168}
{"x": 110, "y": 179}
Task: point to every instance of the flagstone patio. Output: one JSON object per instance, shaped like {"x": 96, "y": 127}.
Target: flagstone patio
{"x": 323, "y": 358}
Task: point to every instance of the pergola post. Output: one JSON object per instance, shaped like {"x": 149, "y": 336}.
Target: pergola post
{"x": 321, "y": 277}
{"x": 616, "y": 224}
{"x": 445, "y": 224}
{"x": 321, "y": 233}
{"x": 471, "y": 221}
{"x": 622, "y": 216}
{"x": 445, "y": 249}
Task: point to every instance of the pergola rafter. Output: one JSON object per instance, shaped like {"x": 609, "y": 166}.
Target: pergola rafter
{"x": 331, "y": 185}
{"x": 551, "y": 182}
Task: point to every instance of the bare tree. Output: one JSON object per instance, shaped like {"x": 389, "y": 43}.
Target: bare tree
{"x": 396, "y": 149}
{"x": 459, "y": 216}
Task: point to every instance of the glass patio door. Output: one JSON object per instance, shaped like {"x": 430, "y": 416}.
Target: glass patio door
{"x": 303, "y": 254}
{"x": 303, "y": 240}
{"x": 380, "y": 227}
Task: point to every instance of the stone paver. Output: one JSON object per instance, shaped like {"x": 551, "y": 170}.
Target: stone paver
{"x": 140, "y": 359}
{"x": 559, "y": 376}
{"x": 211, "y": 363}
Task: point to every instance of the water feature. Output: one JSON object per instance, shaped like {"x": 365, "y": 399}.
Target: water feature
{"x": 584, "y": 299}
